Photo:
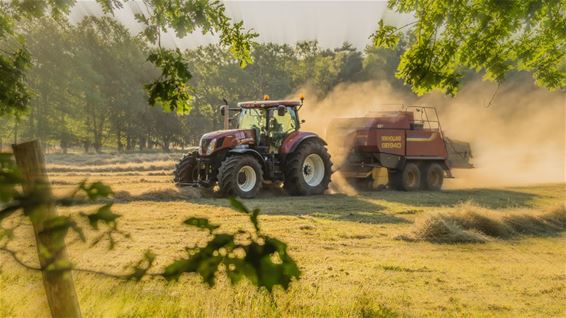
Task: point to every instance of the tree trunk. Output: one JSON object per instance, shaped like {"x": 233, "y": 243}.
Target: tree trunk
{"x": 149, "y": 141}
{"x": 58, "y": 282}
{"x": 129, "y": 144}
{"x": 119, "y": 140}
{"x": 86, "y": 146}
{"x": 143, "y": 143}
{"x": 165, "y": 144}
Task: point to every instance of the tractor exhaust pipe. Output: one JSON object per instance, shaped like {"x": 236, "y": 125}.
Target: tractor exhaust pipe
{"x": 226, "y": 113}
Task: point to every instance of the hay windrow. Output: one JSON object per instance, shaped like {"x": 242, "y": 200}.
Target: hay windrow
{"x": 473, "y": 224}
{"x": 161, "y": 195}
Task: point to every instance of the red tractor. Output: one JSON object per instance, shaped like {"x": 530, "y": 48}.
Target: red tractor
{"x": 266, "y": 147}
{"x": 405, "y": 150}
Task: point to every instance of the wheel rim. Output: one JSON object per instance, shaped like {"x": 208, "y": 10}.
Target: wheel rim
{"x": 434, "y": 178}
{"x": 313, "y": 170}
{"x": 247, "y": 178}
{"x": 412, "y": 178}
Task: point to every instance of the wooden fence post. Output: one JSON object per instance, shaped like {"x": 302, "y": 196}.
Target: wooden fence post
{"x": 58, "y": 284}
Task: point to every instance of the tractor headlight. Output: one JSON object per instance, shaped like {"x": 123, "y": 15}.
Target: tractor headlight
{"x": 211, "y": 147}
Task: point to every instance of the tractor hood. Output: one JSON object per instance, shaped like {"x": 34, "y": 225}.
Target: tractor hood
{"x": 225, "y": 139}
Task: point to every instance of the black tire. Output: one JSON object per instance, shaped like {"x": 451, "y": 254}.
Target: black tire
{"x": 411, "y": 177}
{"x": 408, "y": 179}
{"x": 296, "y": 173}
{"x": 433, "y": 177}
{"x": 186, "y": 171}
{"x": 233, "y": 176}
{"x": 394, "y": 179}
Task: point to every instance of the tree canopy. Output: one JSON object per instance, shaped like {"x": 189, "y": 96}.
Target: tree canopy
{"x": 98, "y": 100}
{"x": 170, "y": 89}
{"x": 494, "y": 37}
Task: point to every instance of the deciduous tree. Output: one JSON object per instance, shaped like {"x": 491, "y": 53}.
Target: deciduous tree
{"x": 492, "y": 37}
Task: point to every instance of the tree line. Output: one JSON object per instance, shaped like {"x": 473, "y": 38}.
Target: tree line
{"x": 87, "y": 85}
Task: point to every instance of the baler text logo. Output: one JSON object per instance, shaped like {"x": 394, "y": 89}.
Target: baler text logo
{"x": 391, "y": 142}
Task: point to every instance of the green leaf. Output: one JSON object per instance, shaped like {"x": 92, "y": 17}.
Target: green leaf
{"x": 386, "y": 36}
{"x": 103, "y": 214}
{"x": 55, "y": 230}
{"x": 254, "y": 220}
{"x": 141, "y": 268}
{"x": 451, "y": 38}
{"x": 201, "y": 223}
{"x": 10, "y": 209}
{"x": 59, "y": 265}
{"x": 10, "y": 179}
{"x": 96, "y": 190}
{"x": 204, "y": 261}
{"x": 238, "y": 205}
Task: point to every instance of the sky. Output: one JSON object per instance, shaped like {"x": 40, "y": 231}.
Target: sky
{"x": 330, "y": 22}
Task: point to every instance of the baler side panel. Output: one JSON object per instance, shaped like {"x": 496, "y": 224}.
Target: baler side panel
{"x": 425, "y": 143}
{"x": 391, "y": 141}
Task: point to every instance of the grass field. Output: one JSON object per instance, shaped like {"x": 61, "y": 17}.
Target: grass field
{"x": 352, "y": 261}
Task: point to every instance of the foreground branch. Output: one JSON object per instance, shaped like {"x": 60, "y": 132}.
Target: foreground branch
{"x": 14, "y": 255}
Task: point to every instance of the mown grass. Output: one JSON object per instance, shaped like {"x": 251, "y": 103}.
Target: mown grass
{"x": 470, "y": 223}
{"x": 352, "y": 262}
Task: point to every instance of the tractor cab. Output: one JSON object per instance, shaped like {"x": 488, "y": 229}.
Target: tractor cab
{"x": 272, "y": 121}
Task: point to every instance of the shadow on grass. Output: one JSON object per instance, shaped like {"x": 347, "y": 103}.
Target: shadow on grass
{"x": 336, "y": 207}
{"x": 489, "y": 198}
{"x": 361, "y": 208}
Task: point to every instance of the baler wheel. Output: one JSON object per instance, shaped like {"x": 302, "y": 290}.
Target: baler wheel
{"x": 408, "y": 179}
{"x": 433, "y": 177}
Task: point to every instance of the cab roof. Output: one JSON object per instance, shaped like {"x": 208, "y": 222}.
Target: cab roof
{"x": 268, "y": 103}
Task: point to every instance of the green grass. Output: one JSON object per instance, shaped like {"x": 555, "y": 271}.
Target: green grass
{"x": 346, "y": 246}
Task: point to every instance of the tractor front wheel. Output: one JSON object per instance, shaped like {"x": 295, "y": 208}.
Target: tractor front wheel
{"x": 308, "y": 169}
{"x": 240, "y": 176}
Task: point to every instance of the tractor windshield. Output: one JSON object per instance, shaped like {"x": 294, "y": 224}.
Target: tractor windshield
{"x": 252, "y": 118}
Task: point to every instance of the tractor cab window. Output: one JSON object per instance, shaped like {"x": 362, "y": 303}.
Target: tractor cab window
{"x": 281, "y": 126}
{"x": 252, "y": 118}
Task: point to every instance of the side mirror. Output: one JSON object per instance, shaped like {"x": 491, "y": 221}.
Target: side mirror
{"x": 281, "y": 110}
{"x": 222, "y": 110}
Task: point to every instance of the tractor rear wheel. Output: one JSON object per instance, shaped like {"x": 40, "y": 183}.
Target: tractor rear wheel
{"x": 408, "y": 179}
{"x": 186, "y": 171}
{"x": 240, "y": 176}
{"x": 308, "y": 169}
{"x": 433, "y": 177}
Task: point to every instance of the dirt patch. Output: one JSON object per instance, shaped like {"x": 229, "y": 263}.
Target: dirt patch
{"x": 473, "y": 224}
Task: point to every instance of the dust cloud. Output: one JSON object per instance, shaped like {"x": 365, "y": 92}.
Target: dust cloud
{"x": 517, "y": 139}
